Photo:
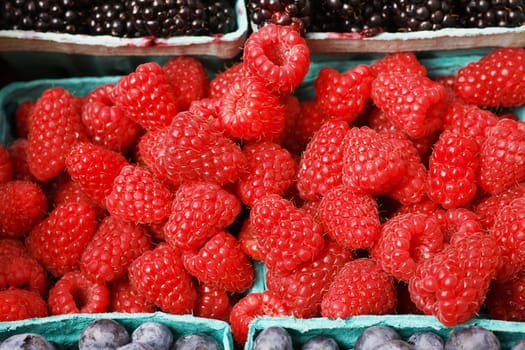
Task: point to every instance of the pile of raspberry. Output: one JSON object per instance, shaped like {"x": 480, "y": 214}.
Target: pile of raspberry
{"x": 388, "y": 191}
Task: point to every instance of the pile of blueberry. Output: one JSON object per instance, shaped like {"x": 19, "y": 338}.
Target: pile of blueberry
{"x": 109, "y": 334}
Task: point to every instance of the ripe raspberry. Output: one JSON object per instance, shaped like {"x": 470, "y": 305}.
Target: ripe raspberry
{"x": 123, "y": 298}
{"x": 452, "y": 284}
{"x": 312, "y": 116}
{"x": 57, "y": 241}
{"x": 159, "y": 275}
{"x": 505, "y": 300}
{"x": 188, "y": 78}
{"x": 18, "y": 155}
{"x": 207, "y": 108}
{"x": 248, "y": 240}
{"x": 452, "y": 170}
{"x": 349, "y": 218}
{"x": 112, "y": 249}
{"x": 212, "y": 302}
{"x": 146, "y": 96}
{"x": 497, "y": 79}
{"x": 343, "y": 95}
{"x": 74, "y": 293}
{"x": 502, "y": 156}
{"x": 292, "y": 113}
{"x": 271, "y": 169}
{"x": 137, "y": 196}
{"x": 23, "y": 204}
{"x": 457, "y": 223}
{"x": 223, "y": 80}
{"x": 279, "y": 55}
{"x": 251, "y": 306}
{"x": 424, "y": 206}
{"x": 20, "y": 304}
{"x": 360, "y": 287}
{"x": 304, "y": 287}
{"x": 402, "y": 62}
{"x": 275, "y": 221}
{"x": 23, "y": 115}
{"x": 414, "y": 103}
{"x": 11, "y": 247}
{"x": 487, "y": 209}
{"x": 94, "y": 168}
{"x": 6, "y": 166}
{"x": 250, "y": 111}
{"x": 22, "y": 271}
{"x": 199, "y": 210}
{"x": 321, "y": 164}
{"x": 64, "y": 191}
{"x": 405, "y": 241}
{"x": 56, "y": 125}
{"x": 106, "y": 124}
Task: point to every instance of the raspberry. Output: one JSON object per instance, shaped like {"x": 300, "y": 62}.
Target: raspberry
{"x": 252, "y": 305}
{"x": 159, "y": 275}
{"x": 312, "y": 116}
{"x": 402, "y": 62}
{"x": 75, "y": 293}
{"x": 279, "y": 55}
{"x": 18, "y": 155}
{"x": 276, "y": 220}
{"x": 452, "y": 284}
{"x": 106, "y": 124}
{"x": 424, "y": 206}
{"x": 222, "y": 81}
{"x": 271, "y": 169}
{"x": 23, "y": 204}
{"x": 304, "y": 287}
{"x": 68, "y": 191}
{"x": 321, "y": 164}
{"x": 487, "y": 209}
{"x": 505, "y": 300}
{"x": 207, "y": 108}
{"x": 292, "y": 113}
{"x": 6, "y": 166}
{"x": 222, "y": 263}
{"x": 497, "y": 79}
{"x": 457, "y": 223}
{"x": 23, "y": 115}
{"x": 212, "y": 302}
{"x": 502, "y": 156}
{"x": 57, "y": 241}
{"x": 23, "y": 271}
{"x": 146, "y": 96}
{"x": 94, "y": 168}
{"x": 405, "y": 241}
{"x": 343, "y": 95}
{"x": 112, "y": 249}
{"x": 56, "y": 125}
{"x": 452, "y": 170}
{"x": 137, "y": 196}
{"x": 360, "y": 287}
{"x": 199, "y": 210}
{"x": 350, "y": 218}
{"x": 188, "y": 78}
{"x": 248, "y": 240}
{"x": 123, "y": 298}
{"x": 20, "y": 304}
{"x": 250, "y": 111}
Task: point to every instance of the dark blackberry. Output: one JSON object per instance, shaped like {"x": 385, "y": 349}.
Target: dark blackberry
{"x": 491, "y": 13}
{"x": 417, "y": 15}
{"x": 296, "y": 13}
{"x": 111, "y": 18}
{"x": 221, "y": 17}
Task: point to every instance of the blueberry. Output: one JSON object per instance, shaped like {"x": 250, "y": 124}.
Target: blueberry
{"x": 136, "y": 346}
{"x": 519, "y": 345}
{"x": 273, "y": 338}
{"x": 472, "y": 338}
{"x": 155, "y": 334}
{"x": 320, "y": 342}
{"x": 196, "y": 341}
{"x": 395, "y": 344}
{"x": 103, "y": 334}
{"x": 26, "y": 341}
{"x": 374, "y": 336}
{"x": 426, "y": 341}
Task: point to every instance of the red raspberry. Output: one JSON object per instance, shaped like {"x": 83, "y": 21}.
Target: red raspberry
{"x": 312, "y": 116}
{"x": 146, "y": 96}
{"x": 304, "y": 287}
{"x": 123, "y": 298}
{"x": 251, "y": 306}
{"x": 351, "y": 219}
{"x": 292, "y": 113}
{"x": 248, "y": 240}
{"x": 398, "y": 62}
{"x": 57, "y": 241}
{"x": 94, "y": 168}
{"x": 22, "y": 205}
{"x": 287, "y": 235}
{"x": 20, "y": 304}
{"x": 250, "y": 111}
{"x": 159, "y": 275}
{"x": 68, "y": 191}
{"x": 497, "y": 79}
{"x": 23, "y": 271}
{"x": 279, "y": 55}
{"x": 23, "y": 115}
{"x": 107, "y": 124}
{"x": 487, "y": 209}
{"x": 453, "y": 165}
{"x": 413, "y": 102}
{"x": 360, "y": 287}
{"x": 505, "y": 300}
{"x": 212, "y": 302}
{"x": 199, "y": 210}
{"x": 343, "y": 95}
{"x": 222, "y": 81}
{"x": 207, "y": 108}
{"x": 6, "y": 166}
{"x": 137, "y": 196}
{"x": 457, "y": 223}
{"x": 424, "y": 206}
{"x": 56, "y": 126}
{"x": 18, "y": 155}
{"x": 452, "y": 284}
{"x": 405, "y": 241}
{"x": 501, "y": 158}
{"x": 74, "y": 293}
{"x": 271, "y": 169}
{"x": 112, "y": 249}
{"x": 188, "y": 78}
{"x": 321, "y": 164}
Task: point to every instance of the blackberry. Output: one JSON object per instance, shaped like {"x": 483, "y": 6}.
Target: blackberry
{"x": 417, "y": 15}
{"x": 111, "y": 18}
{"x": 491, "y": 13}
{"x": 221, "y": 17}
{"x": 296, "y": 13}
